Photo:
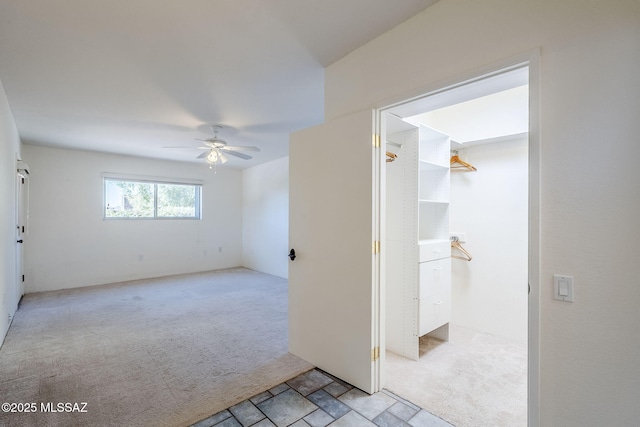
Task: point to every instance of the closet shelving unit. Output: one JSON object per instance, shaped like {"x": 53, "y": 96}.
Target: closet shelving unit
{"x": 434, "y": 307}
{"x": 417, "y": 237}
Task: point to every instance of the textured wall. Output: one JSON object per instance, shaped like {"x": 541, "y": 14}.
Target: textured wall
{"x": 589, "y": 179}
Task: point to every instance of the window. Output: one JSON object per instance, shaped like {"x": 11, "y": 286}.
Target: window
{"x": 137, "y": 198}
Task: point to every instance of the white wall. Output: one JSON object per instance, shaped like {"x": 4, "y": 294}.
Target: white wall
{"x": 491, "y": 207}
{"x": 10, "y": 148}
{"x": 71, "y": 245}
{"x": 265, "y": 235}
{"x": 589, "y": 127}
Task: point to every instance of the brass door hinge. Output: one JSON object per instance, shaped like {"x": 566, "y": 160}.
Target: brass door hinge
{"x": 375, "y": 354}
{"x": 376, "y": 140}
{"x": 376, "y": 247}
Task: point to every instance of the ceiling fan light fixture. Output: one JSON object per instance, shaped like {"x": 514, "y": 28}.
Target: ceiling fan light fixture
{"x": 212, "y": 157}
{"x": 215, "y": 156}
{"x": 216, "y": 149}
{"x": 223, "y": 159}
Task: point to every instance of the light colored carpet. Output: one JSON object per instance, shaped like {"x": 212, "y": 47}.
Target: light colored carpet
{"x": 473, "y": 380}
{"x": 162, "y": 352}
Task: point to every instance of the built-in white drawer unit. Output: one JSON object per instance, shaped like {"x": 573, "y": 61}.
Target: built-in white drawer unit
{"x": 434, "y": 294}
{"x": 434, "y": 249}
{"x": 434, "y": 312}
{"x": 435, "y": 277}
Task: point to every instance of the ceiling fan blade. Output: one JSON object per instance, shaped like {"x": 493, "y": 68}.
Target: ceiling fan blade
{"x": 241, "y": 155}
{"x": 239, "y": 148}
{"x": 203, "y": 155}
{"x": 188, "y": 147}
{"x": 178, "y": 146}
{"x": 216, "y": 141}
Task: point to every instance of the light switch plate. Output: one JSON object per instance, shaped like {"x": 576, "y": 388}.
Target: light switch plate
{"x": 563, "y": 287}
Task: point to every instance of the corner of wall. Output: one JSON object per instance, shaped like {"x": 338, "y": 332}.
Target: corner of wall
{"x": 265, "y": 212}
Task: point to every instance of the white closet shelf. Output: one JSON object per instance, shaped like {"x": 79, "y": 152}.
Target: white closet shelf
{"x": 440, "y": 202}
{"x": 430, "y": 166}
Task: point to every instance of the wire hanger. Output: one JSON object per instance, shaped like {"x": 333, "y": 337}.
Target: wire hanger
{"x": 455, "y": 244}
{"x": 459, "y": 165}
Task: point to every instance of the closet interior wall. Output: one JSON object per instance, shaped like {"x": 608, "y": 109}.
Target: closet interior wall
{"x": 490, "y": 207}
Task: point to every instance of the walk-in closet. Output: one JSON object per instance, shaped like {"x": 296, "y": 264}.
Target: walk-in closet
{"x": 456, "y": 236}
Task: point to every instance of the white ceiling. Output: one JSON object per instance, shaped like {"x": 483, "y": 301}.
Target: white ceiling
{"x": 132, "y": 76}
{"x": 484, "y": 119}
{"x": 489, "y": 108}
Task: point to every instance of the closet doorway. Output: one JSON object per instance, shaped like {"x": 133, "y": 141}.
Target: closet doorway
{"x": 457, "y": 250}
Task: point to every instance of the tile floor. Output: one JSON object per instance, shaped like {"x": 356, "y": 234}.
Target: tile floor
{"x": 317, "y": 399}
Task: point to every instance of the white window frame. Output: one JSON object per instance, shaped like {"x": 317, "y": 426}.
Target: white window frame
{"x": 155, "y": 181}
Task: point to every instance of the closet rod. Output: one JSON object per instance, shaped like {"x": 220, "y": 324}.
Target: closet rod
{"x": 459, "y": 165}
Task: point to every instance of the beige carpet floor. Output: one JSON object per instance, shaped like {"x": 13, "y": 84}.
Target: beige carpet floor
{"x": 162, "y": 352}
{"x": 473, "y": 380}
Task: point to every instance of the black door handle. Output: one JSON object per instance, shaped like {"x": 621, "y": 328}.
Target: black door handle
{"x": 19, "y": 241}
{"x": 292, "y": 254}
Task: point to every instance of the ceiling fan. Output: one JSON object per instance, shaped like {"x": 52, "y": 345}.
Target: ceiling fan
{"x": 217, "y": 149}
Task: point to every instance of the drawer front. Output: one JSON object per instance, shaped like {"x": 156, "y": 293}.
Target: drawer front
{"x": 435, "y": 278}
{"x": 434, "y": 312}
{"x": 434, "y": 250}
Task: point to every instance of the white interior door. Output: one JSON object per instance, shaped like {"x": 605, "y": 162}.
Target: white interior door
{"x": 20, "y": 235}
{"x": 332, "y": 225}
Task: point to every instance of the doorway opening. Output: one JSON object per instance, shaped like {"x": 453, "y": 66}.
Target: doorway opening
{"x": 457, "y": 249}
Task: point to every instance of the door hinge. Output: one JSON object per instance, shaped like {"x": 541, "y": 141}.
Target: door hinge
{"x": 376, "y": 247}
{"x": 376, "y": 140}
{"x": 375, "y": 354}
{"x": 23, "y": 277}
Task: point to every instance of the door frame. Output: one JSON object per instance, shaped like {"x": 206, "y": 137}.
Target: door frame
{"x": 531, "y": 59}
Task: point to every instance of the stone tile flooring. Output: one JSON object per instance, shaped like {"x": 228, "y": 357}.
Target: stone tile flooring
{"x": 317, "y": 399}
